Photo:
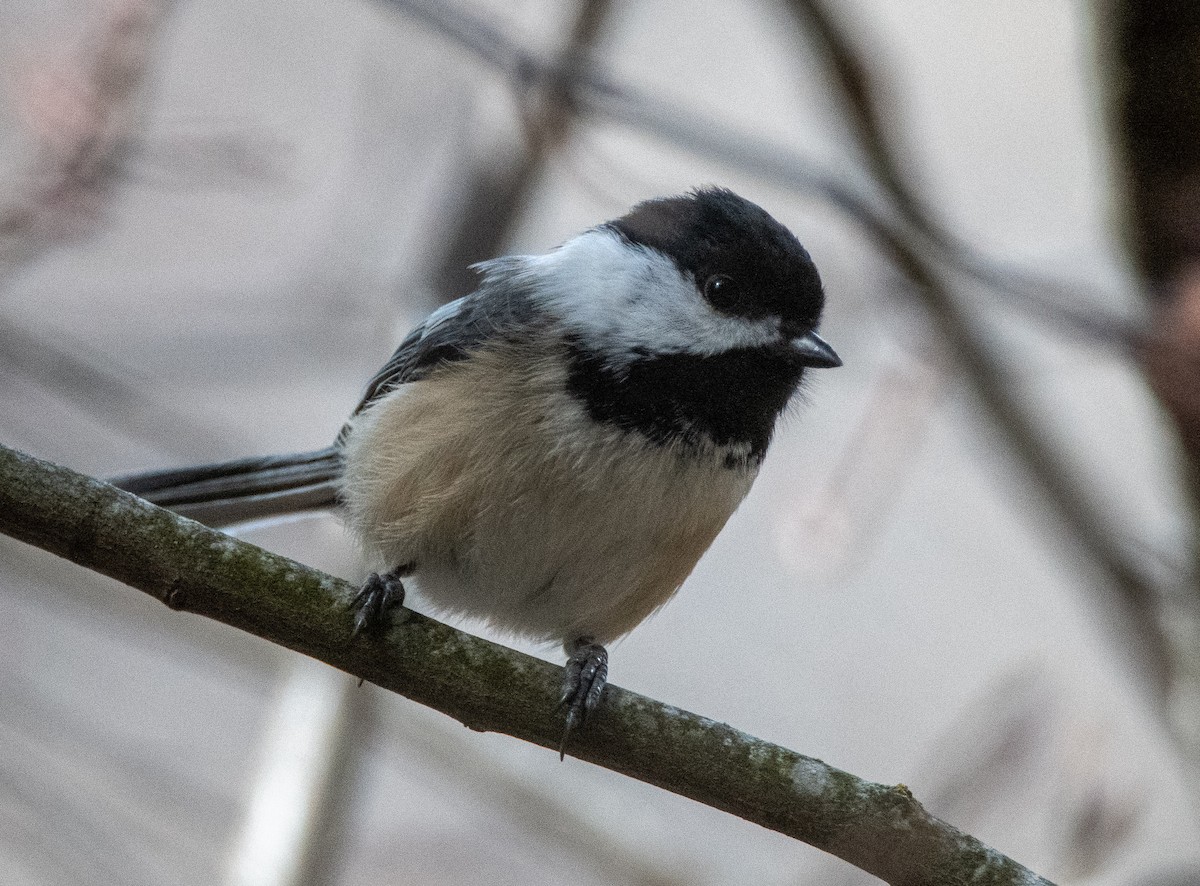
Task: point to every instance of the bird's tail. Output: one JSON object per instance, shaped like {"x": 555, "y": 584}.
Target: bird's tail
{"x": 246, "y": 489}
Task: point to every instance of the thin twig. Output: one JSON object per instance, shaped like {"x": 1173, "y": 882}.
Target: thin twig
{"x": 498, "y": 188}
{"x": 879, "y": 828}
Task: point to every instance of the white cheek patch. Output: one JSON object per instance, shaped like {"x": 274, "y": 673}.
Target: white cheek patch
{"x": 629, "y": 300}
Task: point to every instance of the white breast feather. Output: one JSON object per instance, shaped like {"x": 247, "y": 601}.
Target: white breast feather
{"x": 517, "y": 508}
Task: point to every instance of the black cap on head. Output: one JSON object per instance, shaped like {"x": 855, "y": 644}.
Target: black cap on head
{"x": 744, "y": 261}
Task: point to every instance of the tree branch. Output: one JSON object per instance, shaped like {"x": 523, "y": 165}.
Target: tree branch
{"x": 190, "y": 567}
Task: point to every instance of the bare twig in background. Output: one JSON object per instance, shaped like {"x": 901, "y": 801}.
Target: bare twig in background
{"x": 80, "y": 107}
{"x": 593, "y": 92}
{"x": 1136, "y": 598}
{"x": 79, "y": 104}
{"x": 880, "y": 829}
{"x": 1153, "y": 66}
{"x": 1154, "y": 108}
{"x": 499, "y": 186}
{"x": 863, "y": 92}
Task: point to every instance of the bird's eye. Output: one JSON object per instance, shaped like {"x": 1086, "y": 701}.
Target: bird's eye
{"x": 721, "y": 292}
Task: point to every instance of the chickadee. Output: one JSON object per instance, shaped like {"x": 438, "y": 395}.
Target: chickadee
{"x": 554, "y": 452}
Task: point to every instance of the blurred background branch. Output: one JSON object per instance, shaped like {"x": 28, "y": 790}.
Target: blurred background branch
{"x": 80, "y": 102}
{"x": 1154, "y": 65}
{"x": 1051, "y": 470}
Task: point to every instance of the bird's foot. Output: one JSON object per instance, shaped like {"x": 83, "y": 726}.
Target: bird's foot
{"x": 380, "y": 597}
{"x": 587, "y": 673}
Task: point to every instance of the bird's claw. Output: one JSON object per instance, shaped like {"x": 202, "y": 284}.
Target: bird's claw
{"x": 583, "y": 683}
{"x": 374, "y": 604}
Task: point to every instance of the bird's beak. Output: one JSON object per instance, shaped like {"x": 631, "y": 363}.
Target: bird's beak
{"x": 814, "y": 351}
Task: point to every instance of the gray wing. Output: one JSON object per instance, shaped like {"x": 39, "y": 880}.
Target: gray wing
{"x": 499, "y": 308}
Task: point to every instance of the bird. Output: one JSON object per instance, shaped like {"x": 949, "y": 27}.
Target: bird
{"x": 553, "y": 452}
